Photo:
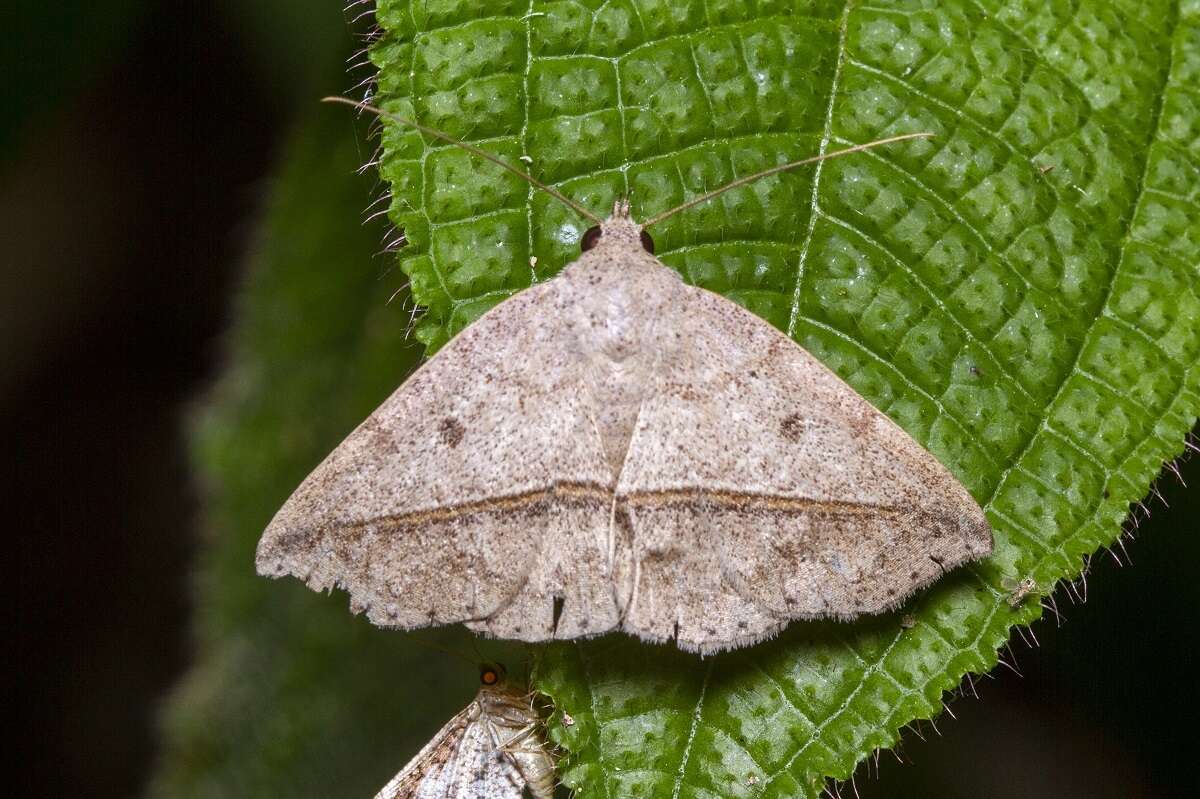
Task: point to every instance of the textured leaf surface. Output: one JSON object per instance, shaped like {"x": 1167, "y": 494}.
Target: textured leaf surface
{"x": 1020, "y": 293}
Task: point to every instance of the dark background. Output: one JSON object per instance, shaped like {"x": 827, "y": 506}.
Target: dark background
{"x": 136, "y": 139}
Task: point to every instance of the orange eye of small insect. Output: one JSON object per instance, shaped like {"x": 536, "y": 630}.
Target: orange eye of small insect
{"x": 489, "y": 677}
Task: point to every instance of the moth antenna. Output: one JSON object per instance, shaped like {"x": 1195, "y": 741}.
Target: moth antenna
{"x": 475, "y": 648}
{"x": 439, "y": 648}
{"x": 527, "y": 665}
{"x": 446, "y": 137}
{"x": 703, "y": 198}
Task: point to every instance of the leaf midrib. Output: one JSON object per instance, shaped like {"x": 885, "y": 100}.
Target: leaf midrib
{"x": 813, "y": 204}
{"x": 696, "y": 714}
{"x": 826, "y": 135}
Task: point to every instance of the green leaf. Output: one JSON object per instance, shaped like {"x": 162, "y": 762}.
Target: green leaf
{"x": 1020, "y": 294}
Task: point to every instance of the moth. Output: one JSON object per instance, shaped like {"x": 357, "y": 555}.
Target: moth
{"x": 614, "y": 449}
{"x": 1019, "y": 590}
{"x": 493, "y": 749}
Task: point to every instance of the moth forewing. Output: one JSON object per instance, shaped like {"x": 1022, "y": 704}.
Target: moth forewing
{"x": 616, "y": 449}
{"x": 493, "y": 749}
{"x": 429, "y": 766}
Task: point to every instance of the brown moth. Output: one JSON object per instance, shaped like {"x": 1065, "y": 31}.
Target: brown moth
{"x": 614, "y": 449}
{"x": 493, "y": 749}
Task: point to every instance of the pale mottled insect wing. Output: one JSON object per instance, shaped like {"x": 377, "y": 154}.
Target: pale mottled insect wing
{"x": 464, "y": 497}
{"x": 491, "y": 750}
{"x": 429, "y": 771}
{"x": 615, "y": 449}
{"x": 485, "y": 771}
{"x": 761, "y": 488}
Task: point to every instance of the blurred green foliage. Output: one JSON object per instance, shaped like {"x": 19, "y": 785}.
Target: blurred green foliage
{"x": 294, "y": 697}
{"x": 300, "y": 50}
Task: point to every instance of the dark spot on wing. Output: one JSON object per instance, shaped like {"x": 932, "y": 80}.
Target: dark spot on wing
{"x": 450, "y": 431}
{"x": 792, "y": 427}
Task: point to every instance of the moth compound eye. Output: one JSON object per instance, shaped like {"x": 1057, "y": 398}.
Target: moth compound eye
{"x": 647, "y": 242}
{"x": 590, "y": 238}
{"x": 489, "y": 677}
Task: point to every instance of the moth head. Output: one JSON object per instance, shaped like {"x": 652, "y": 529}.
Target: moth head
{"x": 618, "y": 228}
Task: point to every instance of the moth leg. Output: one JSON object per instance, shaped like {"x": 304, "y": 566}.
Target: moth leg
{"x": 505, "y": 745}
{"x": 519, "y": 736}
{"x": 510, "y": 748}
